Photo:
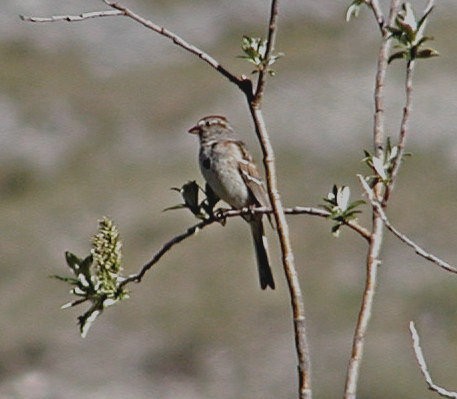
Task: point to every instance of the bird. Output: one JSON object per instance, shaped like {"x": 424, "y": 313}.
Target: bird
{"x": 232, "y": 175}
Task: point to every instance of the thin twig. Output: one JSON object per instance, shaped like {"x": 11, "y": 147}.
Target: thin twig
{"x": 404, "y": 123}
{"x": 423, "y": 365}
{"x": 365, "y": 312}
{"x": 376, "y": 8}
{"x": 420, "y": 251}
{"x": 301, "y": 210}
{"x": 374, "y": 249}
{"x": 403, "y": 131}
{"x": 230, "y": 213}
{"x": 165, "y": 248}
{"x": 243, "y": 83}
{"x": 271, "y": 40}
{"x": 74, "y": 18}
{"x": 383, "y": 56}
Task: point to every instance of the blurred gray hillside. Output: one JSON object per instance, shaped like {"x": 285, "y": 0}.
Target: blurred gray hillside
{"x": 94, "y": 118}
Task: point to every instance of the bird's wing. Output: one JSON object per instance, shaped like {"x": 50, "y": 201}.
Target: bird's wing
{"x": 251, "y": 177}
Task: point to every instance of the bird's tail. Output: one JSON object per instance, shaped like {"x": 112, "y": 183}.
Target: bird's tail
{"x": 261, "y": 252}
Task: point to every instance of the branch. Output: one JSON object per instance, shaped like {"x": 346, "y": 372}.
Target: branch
{"x": 271, "y": 39}
{"x": 403, "y": 131}
{"x": 383, "y": 56}
{"x": 375, "y": 7}
{"x": 362, "y": 231}
{"x": 229, "y": 213}
{"x": 243, "y": 83}
{"x": 374, "y": 249}
{"x": 298, "y": 307}
{"x": 288, "y": 262}
{"x": 404, "y": 122}
{"x": 423, "y": 365}
{"x": 73, "y": 18}
{"x": 420, "y": 251}
{"x": 165, "y": 248}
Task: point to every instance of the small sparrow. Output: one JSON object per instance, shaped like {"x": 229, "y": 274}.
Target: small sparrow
{"x": 230, "y": 172}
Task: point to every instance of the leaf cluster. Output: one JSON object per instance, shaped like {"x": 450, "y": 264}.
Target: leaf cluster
{"x": 254, "y": 49}
{"x": 383, "y": 165}
{"x": 97, "y": 277}
{"x": 190, "y": 193}
{"x": 410, "y": 35}
{"x": 340, "y": 208}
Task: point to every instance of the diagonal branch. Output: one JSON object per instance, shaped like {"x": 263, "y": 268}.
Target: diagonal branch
{"x": 376, "y": 8}
{"x": 420, "y": 251}
{"x": 165, "y": 248}
{"x": 423, "y": 365}
{"x": 243, "y": 83}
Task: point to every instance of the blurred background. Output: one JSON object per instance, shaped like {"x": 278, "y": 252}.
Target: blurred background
{"x": 94, "y": 117}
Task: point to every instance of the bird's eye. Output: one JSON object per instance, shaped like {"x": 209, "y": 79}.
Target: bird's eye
{"x": 207, "y": 123}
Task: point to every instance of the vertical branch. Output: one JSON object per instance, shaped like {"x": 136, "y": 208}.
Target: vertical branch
{"x": 271, "y": 40}
{"x": 372, "y": 262}
{"x": 298, "y": 308}
{"x": 383, "y": 56}
{"x": 405, "y": 119}
{"x": 403, "y": 131}
{"x": 296, "y": 297}
{"x": 363, "y": 320}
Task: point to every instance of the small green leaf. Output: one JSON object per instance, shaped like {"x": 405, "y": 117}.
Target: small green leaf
{"x": 407, "y": 20}
{"x": 354, "y": 9}
{"x": 72, "y": 260}
{"x": 336, "y": 230}
{"x": 189, "y": 192}
{"x": 424, "y": 17}
{"x": 427, "y": 53}
{"x": 398, "y": 55}
{"x": 342, "y": 198}
{"x": 86, "y": 264}
{"x": 340, "y": 208}
{"x": 378, "y": 166}
{"x": 69, "y": 280}
{"x": 174, "y": 207}
{"x": 254, "y": 49}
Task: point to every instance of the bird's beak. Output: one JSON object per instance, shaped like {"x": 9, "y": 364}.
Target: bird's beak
{"x": 194, "y": 130}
